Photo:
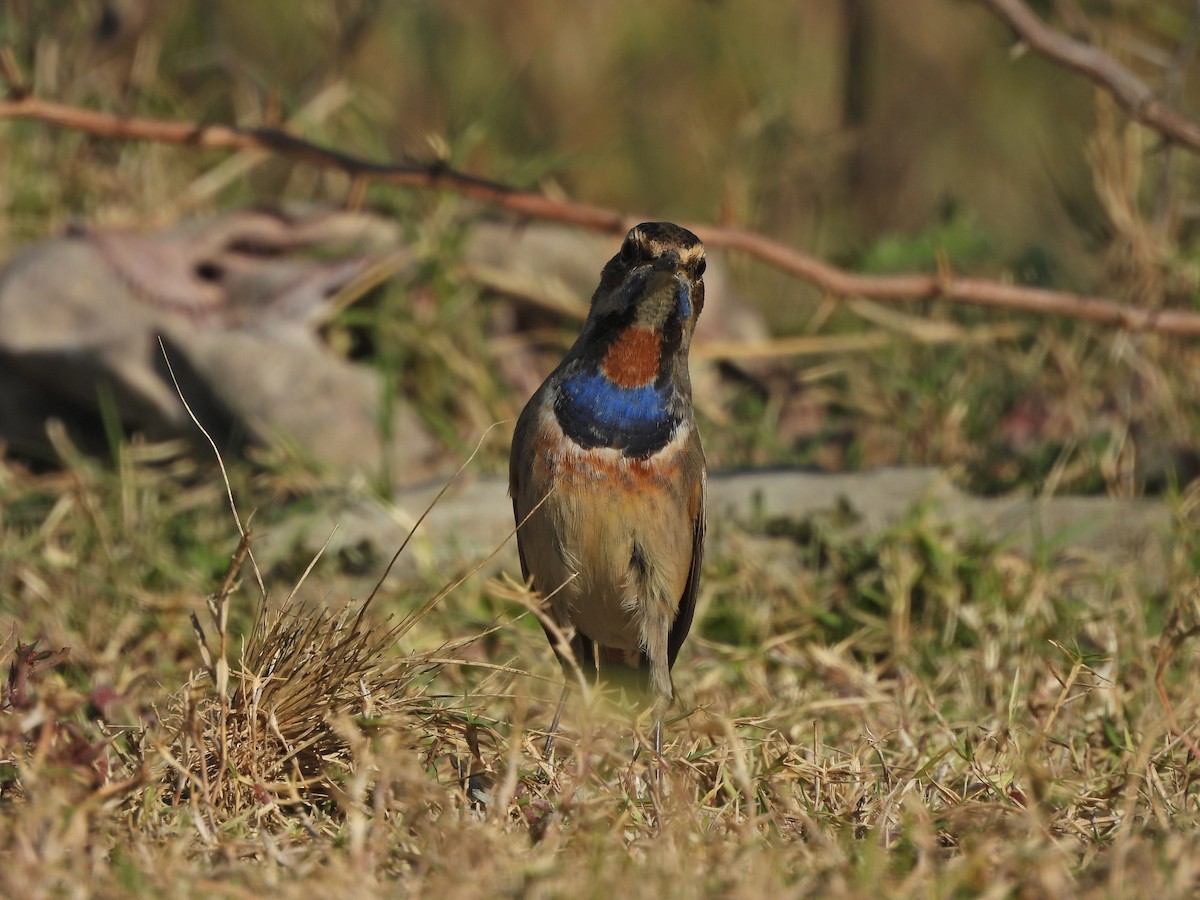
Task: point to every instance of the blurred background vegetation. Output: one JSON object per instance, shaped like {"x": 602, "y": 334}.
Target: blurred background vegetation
{"x": 833, "y": 124}
{"x": 882, "y": 136}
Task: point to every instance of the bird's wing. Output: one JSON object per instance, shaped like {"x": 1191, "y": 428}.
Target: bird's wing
{"x": 687, "y": 602}
{"x": 520, "y": 547}
{"x": 515, "y": 466}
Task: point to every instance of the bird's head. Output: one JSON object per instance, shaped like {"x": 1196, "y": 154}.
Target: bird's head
{"x": 625, "y": 383}
{"x": 654, "y": 284}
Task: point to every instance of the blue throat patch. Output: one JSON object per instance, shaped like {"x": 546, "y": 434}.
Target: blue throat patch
{"x": 594, "y": 412}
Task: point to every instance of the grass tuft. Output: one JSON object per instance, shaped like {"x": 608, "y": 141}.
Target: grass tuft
{"x": 276, "y": 728}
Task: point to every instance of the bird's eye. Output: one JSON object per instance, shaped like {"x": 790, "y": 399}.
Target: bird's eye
{"x": 700, "y": 267}
{"x": 629, "y": 251}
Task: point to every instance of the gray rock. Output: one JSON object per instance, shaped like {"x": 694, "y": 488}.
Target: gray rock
{"x": 474, "y": 517}
{"x": 235, "y": 300}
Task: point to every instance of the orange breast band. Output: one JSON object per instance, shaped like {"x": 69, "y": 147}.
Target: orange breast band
{"x": 632, "y": 359}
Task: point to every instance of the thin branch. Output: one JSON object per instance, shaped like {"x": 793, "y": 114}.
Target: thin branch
{"x": 1134, "y": 96}
{"x": 1172, "y": 91}
{"x": 1171, "y": 640}
{"x": 835, "y": 281}
{"x": 975, "y": 291}
{"x": 281, "y": 143}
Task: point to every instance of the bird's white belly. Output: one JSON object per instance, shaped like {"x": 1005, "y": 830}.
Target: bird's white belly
{"x": 590, "y": 513}
{"x": 598, "y": 595}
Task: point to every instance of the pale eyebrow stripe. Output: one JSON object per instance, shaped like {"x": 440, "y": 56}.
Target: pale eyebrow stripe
{"x": 687, "y": 254}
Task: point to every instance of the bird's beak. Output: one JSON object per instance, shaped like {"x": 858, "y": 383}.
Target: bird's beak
{"x": 666, "y": 292}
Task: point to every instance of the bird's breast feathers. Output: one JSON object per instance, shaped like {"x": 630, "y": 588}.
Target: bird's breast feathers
{"x": 619, "y": 399}
{"x": 559, "y": 458}
{"x": 594, "y": 511}
{"x": 633, "y": 359}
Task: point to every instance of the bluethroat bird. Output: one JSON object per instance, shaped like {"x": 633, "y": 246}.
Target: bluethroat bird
{"x": 607, "y": 474}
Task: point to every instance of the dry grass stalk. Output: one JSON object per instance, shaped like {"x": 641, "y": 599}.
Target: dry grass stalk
{"x": 280, "y": 727}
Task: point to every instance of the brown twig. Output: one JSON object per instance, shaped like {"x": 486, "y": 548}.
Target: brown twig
{"x": 1172, "y": 639}
{"x": 1172, "y": 91}
{"x": 279, "y": 142}
{"x": 838, "y": 282}
{"x": 975, "y": 291}
{"x": 1134, "y": 96}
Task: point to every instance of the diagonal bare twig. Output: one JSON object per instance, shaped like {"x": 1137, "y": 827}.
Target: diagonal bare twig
{"x": 283, "y": 143}
{"x": 1126, "y": 88}
{"x": 838, "y": 282}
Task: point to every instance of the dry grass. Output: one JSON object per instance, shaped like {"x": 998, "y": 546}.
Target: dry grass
{"x": 903, "y": 713}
